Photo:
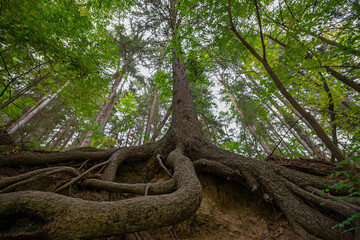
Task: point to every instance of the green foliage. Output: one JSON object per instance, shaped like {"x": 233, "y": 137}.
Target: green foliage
{"x": 352, "y": 185}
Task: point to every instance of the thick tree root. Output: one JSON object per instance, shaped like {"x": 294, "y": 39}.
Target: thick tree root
{"x": 33, "y": 176}
{"x": 286, "y": 188}
{"x": 74, "y": 218}
{"x": 297, "y": 194}
{"x": 131, "y": 153}
{"x": 14, "y": 160}
{"x": 139, "y": 188}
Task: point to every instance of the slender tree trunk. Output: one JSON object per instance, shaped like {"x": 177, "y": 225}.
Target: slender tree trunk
{"x": 161, "y": 124}
{"x": 293, "y": 132}
{"x": 151, "y": 116}
{"x": 54, "y": 137}
{"x": 127, "y": 137}
{"x": 62, "y": 134}
{"x": 23, "y": 91}
{"x": 45, "y": 132}
{"x": 317, "y": 128}
{"x": 251, "y": 127}
{"x": 33, "y": 111}
{"x": 105, "y": 111}
{"x": 207, "y": 132}
{"x": 63, "y": 146}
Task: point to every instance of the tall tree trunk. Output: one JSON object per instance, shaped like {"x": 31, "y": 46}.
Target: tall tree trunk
{"x": 161, "y": 124}
{"x": 127, "y": 137}
{"x": 53, "y": 137}
{"x": 33, "y": 111}
{"x": 303, "y": 138}
{"x": 293, "y": 132}
{"x": 150, "y": 116}
{"x": 331, "y": 111}
{"x": 63, "y": 146}
{"x": 251, "y": 127}
{"x": 315, "y": 125}
{"x": 62, "y": 134}
{"x": 105, "y": 111}
{"x": 23, "y": 91}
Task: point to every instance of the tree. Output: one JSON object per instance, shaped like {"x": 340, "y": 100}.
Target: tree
{"x": 185, "y": 149}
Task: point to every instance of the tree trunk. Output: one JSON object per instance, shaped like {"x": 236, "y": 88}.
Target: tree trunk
{"x": 62, "y": 134}
{"x": 33, "y": 111}
{"x": 161, "y": 124}
{"x": 292, "y": 122}
{"x": 300, "y": 140}
{"x": 280, "y": 139}
{"x": 105, "y": 111}
{"x": 251, "y": 127}
{"x": 151, "y": 116}
{"x": 315, "y": 125}
{"x": 23, "y": 91}
{"x": 63, "y": 146}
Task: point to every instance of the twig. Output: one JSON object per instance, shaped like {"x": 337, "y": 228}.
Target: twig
{"x": 83, "y": 164}
{"x": 163, "y": 166}
{"x": 284, "y": 135}
{"x": 260, "y": 29}
{"x": 81, "y": 176}
{"x": 146, "y": 190}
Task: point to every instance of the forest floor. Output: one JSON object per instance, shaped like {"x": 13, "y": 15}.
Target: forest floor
{"x": 228, "y": 210}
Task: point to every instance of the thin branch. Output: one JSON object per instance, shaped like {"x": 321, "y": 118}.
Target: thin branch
{"x": 81, "y": 176}
{"x": 284, "y": 135}
{"x": 261, "y": 32}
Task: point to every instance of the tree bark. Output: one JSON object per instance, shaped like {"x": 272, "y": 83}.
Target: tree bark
{"x": 23, "y": 91}
{"x": 33, "y": 111}
{"x": 62, "y": 134}
{"x": 105, "y": 111}
{"x": 161, "y": 124}
{"x": 150, "y": 116}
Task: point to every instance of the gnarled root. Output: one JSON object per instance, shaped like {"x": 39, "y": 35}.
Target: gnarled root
{"x": 74, "y": 218}
{"x": 288, "y": 189}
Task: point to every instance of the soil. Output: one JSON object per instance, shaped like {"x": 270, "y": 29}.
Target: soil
{"x": 230, "y": 211}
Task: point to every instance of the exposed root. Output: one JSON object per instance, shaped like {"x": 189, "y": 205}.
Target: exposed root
{"x": 56, "y": 157}
{"x": 74, "y": 218}
{"x": 139, "y": 188}
{"x": 331, "y": 197}
{"x": 286, "y": 189}
{"x": 33, "y": 176}
{"x": 81, "y": 176}
{"x": 131, "y": 153}
{"x": 163, "y": 166}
